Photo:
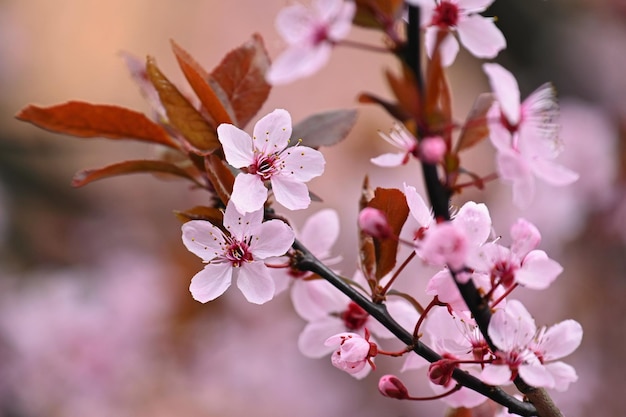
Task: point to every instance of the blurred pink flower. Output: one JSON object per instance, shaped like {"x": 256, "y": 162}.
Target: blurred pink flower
{"x": 311, "y": 34}
{"x": 525, "y": 135}
{"x": 266, "y": 156}
{"x": 238, "y": 254}
{"x": 477, "y": 33}
{"x": 400, "y": 138}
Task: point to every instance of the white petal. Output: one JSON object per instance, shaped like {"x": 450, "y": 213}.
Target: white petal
{"x": 389, "y": 159}
{"x": 241, "y": 225}
{"x": 249, "y": 193}
{"x": 211, "y": 282}
{"x": 496, "y": 375}
{"x": 538, "y": 272}
{"x": 272, "y": 238}
{"x": 298, "y": 62}
{"x": 291, "y": 194}
{"x": 474, "y": 5}
{"x": 341, "y": 23}
{"x": 237, "y": 145}
{"x": 417, "y": 206}
{"x": 302, "y": 163}
{"x": 202, "y": 239}
{"x": 272, "y": 132}
{"x": 295, "y": 23}
{"x": 563, "y": 375}
{"x": 311, "y": 340}
{"x": 561, "y": 339}
{"x": 481, "y": 36}
{"x": 475, "y": 220}
{"x": 506, "y": 89}
{"x": 536, "y": 375}
{"x": 315, "y": 300}
{"x": 320, "y": 232}
{"x": 255, "y": 282}
{"x": 512, "y": 167}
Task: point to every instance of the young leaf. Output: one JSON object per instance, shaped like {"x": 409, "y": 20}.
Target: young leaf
{"x": 324, "y": 129}
{"x": 377, "y": 13}
{"x": 241, "y": 76}
{"x": 367, "y": 250}
{"x": 393, "y": 203}
{"x": 475, "y": 128}
{"x": 221, "y": 177}
{"x": 130, "y": 167}
{"x": 406, "y": 91}
{"x": 87, "y": 120}
{"x": 438, "y": 103}
{"x": 210, "y": 214}
{"x": 181, "y": 114}
{"x": 198, "y": 80}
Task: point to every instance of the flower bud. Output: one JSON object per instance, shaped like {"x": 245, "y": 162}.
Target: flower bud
{"x": 374, "y": 222}
{"x": 440, "y": 372}
{"x": 390, "y": 386}
{"x": 432, "y": 149}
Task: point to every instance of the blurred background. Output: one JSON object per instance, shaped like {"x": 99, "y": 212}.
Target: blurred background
{"x": 95, "y": 314}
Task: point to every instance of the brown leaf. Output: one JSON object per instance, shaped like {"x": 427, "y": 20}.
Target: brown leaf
{"x": 393, "y": 203}
{"x": 88, "y": 120}
{"x": 210, "y": 214}
{"x": 324, "y": 129}
{"x": 181, "y": 114}
{"x": 406, "y": 91}
{"x": 221, "y": 177}
{"x": 241, "y": 76}
{"x": 475, "y": 128}
{"x": 392, "y": 108}
{"x": 367, "y": 251}
{"x": 438, "y": 103}
{"x": 198, "y": 80}
{"x": 129, "y": 167}
{"x": 377, "y": 13}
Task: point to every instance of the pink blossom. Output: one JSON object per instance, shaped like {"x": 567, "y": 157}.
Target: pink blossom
{"x": 353, "y": 354}
{"x": 374, "y": 223}
{"x": 432, "y": 149}
{"x": 238, "y": 254}
{"x": 477, "y": 33}
{"x": 266, "y": 156}
{"x": 525, "y": 135}
{"x": 311, "y": 34}
{"x": 523, "y": 351}
{"x": 445, "y": 244}
{"x": 400, "y": 138}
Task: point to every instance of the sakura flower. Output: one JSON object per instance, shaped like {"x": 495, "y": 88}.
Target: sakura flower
{"x": 353, "y": 354}
{"x": 525, "y": 135}
{"x": 266, "y": 157}
{"x": 311, "y": 34}
{"x": 400, "y": 138}
{"x": 237, "y": 254}
{"x": 477, "y": 33}
{"x": 523, "y": 351}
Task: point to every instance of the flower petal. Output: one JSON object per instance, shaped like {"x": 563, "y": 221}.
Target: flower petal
{"x": 475, "y": 220}
{"x": 240, "y": 225}
{"x": 249, "y": 193}
{"x": 302, "y": 163}
{"x": 561, "y": 339}
{"x": 496, "y": 374}
{"x": 255, "y": 282}
{"x": 538, "y": 271}
{"x": 211, "y": 282}
{"x": 553, "y": 173}
{"x": 390, "y": 159}
{"x": 320, "y": 232}
{"x": 295, "y": 23}
{"x": 272, "y": 132}
{"x": 449, "y": 47}
{"x": 506, "y": 89}
{"x": 418, "y": 208}
{"x": 272, "y": 238}
{"x": 315, "y": 300}
{"x": 291, "y": 194}
{"x": 237, "y": 145}
{"x": 481, "y": 36}
{"x": 563, "y": 375}
{"x": 202, "y": 239}
{"x": 298, "y": 62}
{"x": 311, "y": 340}
{"x": 536, "y": 375}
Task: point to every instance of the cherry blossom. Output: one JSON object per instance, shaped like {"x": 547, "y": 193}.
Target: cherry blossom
{"x": 477, "y": 33}
{"x": 525, "y": 135}
{"x": 400, "y": 138}
{"x": 524, "y": 351}
{"x": 237, "y": 254}
{"x": 311, "y": 34}
{"x": 266, "y": 156}
{"x": 353, "y": 354}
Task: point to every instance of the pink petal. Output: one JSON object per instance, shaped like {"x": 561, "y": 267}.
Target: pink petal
{"x": 536, "y": 375}
{"x": 481, "y": 36}
{"x": 512, "y": 167}
{"x": 537, "y": 271}
{"x": 499, "y": 135}
{"x": 449, "y": 47}
{"x": 298, "y": 62}
{"x": 475, "y": 221}
{"x": 272, "y": 132}
{"x": 563, "y": 375}
{"x": 211, "y": 282}
{"x": 341, "y": 22}
{"x": 311, "y": 340}
{"x": 302, "y": 163}
{"x": 506, "y": 89}
{"x": 553, "y": 173}
{"x": 255, "y": 282}
{"x": 390, "y": 159}
{"x": 413, "y": 361}
{"x": 526, "y": 237}
{"x": 417, "y": 206}
{"x": 249, "y": 193}
{"x": 474, "y": 5}
{"x": 240, "y": 225}
{"x": 464, "y": 397}
{"x": 561, "y": 339}
{"x": 202, "y": 239}
{"x": 496, "y": 374}
{"x": 295, "y": 23}
{"x": 291, "y": 194}
{"x": 237, "y": 145}
{"x": 320, "y": 232}
{"x": 315, "y": 300}
{"x": 272, "y": 238}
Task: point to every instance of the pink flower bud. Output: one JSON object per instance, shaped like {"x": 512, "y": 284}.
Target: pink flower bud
{"x": 432, "y": 149}
{"x": 374, "y": 222}
{"x": 440, "y": 372}
{"x": 390, "y": 386}
{"x": 353, "y": 352}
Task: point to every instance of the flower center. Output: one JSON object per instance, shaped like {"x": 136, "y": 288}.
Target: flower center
{"x": 265, "y": 165}
{"x": 237, "y": 253}
{"x": 354, "y": 317}
{"x": 446, "y": 15}
{"x": 505, "y": 271}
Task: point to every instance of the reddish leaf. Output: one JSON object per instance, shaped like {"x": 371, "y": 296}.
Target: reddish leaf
{"x": 181, "y": 114}
{"x": 324, "y": 129}
{"x": 367, "y": 250}
{"x": 475, "y": 128}
{"x": 87, "y": 120}
{"x": 210, "y": 214}
{"x": 241, "y": 76}
{"x": 129, "y": 167}
{"x": 406, "y": 91}
{"x": 393, "y": 203}
{"x": 221, "y": 177}
{"x": 438, "y": 103}
{"x": 377, "y": 13}
{"x": 198, "y": 80}
{"x": 392, "y": 108}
